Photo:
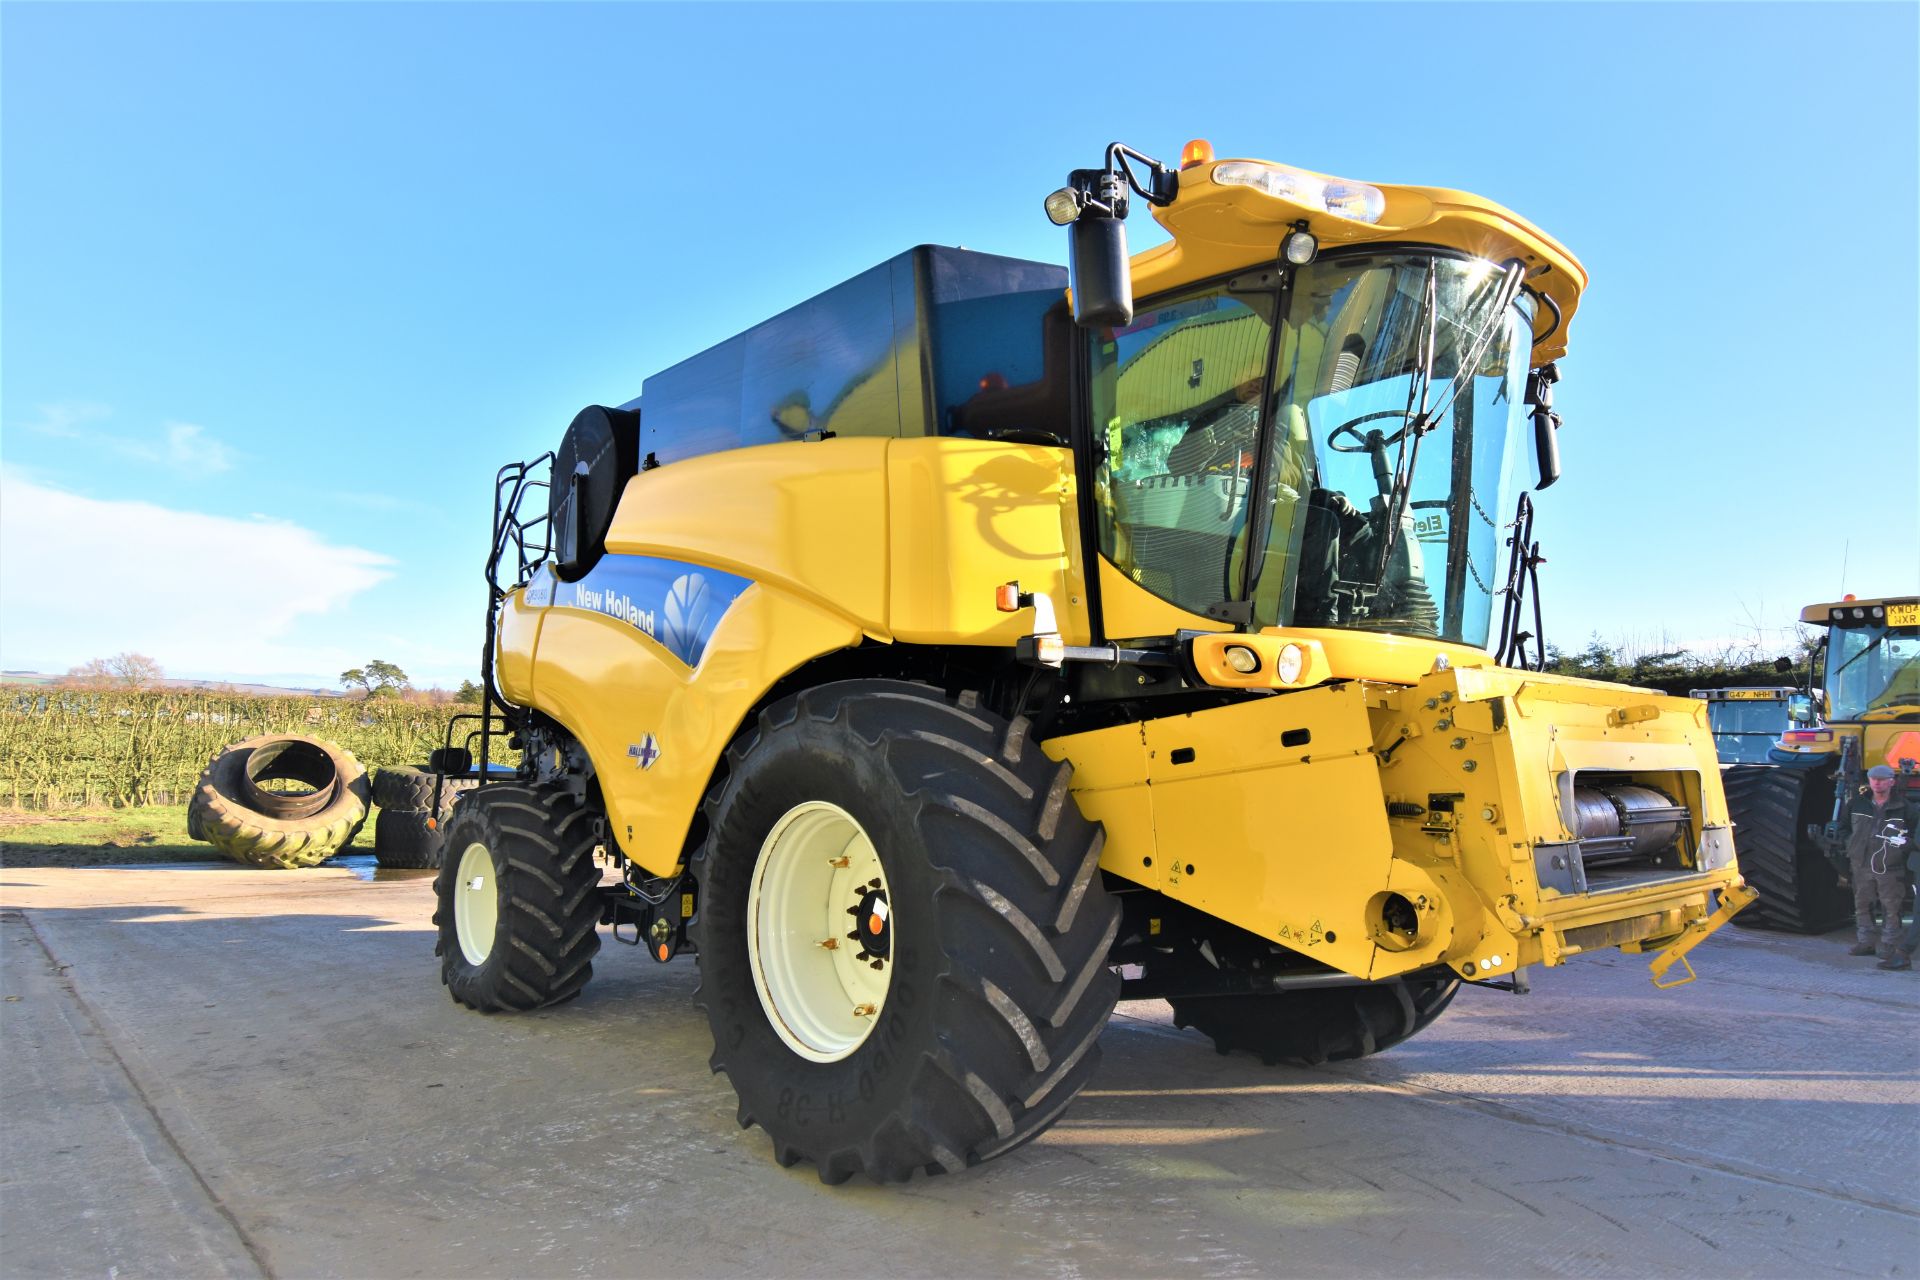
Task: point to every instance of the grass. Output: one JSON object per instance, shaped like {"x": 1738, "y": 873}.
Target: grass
{"x": 99, "y": 837}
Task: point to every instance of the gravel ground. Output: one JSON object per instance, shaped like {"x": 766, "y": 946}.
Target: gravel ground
{"x": 207, "y": 1070}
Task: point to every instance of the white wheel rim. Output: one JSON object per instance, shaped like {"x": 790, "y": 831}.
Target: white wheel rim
{"x": 817, "y": 908}
{"x": 476, "y": 904}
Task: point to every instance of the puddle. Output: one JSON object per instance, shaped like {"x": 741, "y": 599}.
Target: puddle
{"x": 364, "y": 866}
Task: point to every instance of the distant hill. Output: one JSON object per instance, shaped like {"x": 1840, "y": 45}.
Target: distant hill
{"x": 227, "y": 686}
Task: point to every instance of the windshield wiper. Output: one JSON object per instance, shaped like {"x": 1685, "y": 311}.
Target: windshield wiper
{"x": 1391, "y": 505}
{"x": 1877, "y": 640}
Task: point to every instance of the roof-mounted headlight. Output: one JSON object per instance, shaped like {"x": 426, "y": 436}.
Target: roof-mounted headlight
{"x": 1355, "y": 201}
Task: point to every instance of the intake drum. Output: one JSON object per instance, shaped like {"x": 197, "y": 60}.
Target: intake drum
{"x": 1625, "y": 822}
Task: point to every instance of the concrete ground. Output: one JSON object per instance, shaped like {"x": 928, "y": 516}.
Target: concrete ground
{"x": 214, "y": 1071}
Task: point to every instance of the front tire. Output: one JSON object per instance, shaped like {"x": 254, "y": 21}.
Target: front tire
{"x": 518, "y": 899}
{"x": 959, "y": 1007}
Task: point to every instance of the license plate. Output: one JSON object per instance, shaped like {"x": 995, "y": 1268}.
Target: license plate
{"x": 1752, "y": 695}
{"x": 1903, "y": 615}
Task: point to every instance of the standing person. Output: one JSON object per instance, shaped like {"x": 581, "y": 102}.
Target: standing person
{"x": 1902, "y": 957}
{"x": 1876, "y": 858}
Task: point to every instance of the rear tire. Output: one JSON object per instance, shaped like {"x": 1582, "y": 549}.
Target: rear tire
{"x": 1772, "y": 806}
{"x": 519, "y": 899}
{"x": 407, "y": 787}
{"x": 1318, "y": 1024}
{"x": 986, "y": 1020}
{"x": 402, "y": 839}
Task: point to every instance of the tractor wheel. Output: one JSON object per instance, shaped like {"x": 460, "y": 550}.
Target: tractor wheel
{"x": 412, "y": 788}
{"x": 902, "y": 931}
{"x": 402, "y": 838}
{"x": 1772, "y": 806}
{"x": 1318, "y": 1024}
{"x": 518, "y": 899}
{"x": 269, "y": 828}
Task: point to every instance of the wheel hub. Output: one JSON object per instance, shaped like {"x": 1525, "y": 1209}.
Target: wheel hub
{"x": 476, "y": 904}
{"x": 822, "y": 986}
{"x": 871, "y": 916}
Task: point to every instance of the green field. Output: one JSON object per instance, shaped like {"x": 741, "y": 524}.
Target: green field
{"x": 62, "y": 746}
{"x": 99, "y": 837}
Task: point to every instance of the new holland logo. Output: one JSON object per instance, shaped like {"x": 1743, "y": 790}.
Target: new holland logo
{"x": 646, "y": 752}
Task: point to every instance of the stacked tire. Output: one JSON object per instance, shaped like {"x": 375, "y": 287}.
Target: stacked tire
{"x": 410, "y": 830}
{"x": 238, "y": 809}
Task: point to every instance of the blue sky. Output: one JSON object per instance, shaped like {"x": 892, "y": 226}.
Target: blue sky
{"x": 282, "y": 285}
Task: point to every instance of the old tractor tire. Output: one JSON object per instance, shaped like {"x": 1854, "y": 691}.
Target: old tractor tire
{"x": 403, "y": 839}
{"x": 1772, "y": 806}
{"x": 196, "y": 830}
{"x": 518, "y": 899}
{"x": 263, "y": 828}
{"x": 406, "y": 787}
{"x": 1318, "y": 1024}
{"x": 902, "y": 931}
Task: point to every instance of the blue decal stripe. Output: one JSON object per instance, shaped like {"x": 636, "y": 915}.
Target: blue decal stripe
{"x": 679, "y": 605}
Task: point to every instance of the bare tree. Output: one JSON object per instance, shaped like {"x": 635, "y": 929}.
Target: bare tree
{"x": 122, "y": 671}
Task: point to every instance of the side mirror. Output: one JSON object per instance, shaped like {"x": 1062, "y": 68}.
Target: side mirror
{"x": 1098, "y": 271}
{"x": 1546, "y": 423}
{"x": 1783, "y": 665}
{"x": 1800, "y": 709}
{"x": 1093, "y": 206}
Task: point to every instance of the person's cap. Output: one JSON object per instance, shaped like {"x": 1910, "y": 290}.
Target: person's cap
{"x": 1881, "y": 771}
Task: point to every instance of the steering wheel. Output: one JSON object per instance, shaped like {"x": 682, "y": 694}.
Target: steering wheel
{"x": 1360, "y": 444}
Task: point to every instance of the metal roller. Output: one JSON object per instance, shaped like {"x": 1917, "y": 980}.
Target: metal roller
{"x": 1625, "y": 821}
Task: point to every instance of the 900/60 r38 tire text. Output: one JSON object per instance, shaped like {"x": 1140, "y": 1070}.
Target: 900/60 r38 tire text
{"x": 902, "y": 931}
{"x": 518, "y": 899}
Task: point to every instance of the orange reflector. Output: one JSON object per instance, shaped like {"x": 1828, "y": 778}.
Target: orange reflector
{"x": 1199, "y": 151}
{"x": 433, "y": 824}
{"x": 664, "y": 953}
{"x": 1903, "y": 748}
{"x": 993, "y": 382}
{"x": 1006, "y": 597}
{"x": 875, "y": 924}
{"x": 1807, "y": 735}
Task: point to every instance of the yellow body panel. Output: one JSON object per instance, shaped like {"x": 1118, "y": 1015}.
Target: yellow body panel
{"x": 1219, "y": 229}
{"x": 807, "y": 517}
{"x": 1300, "y": 844}
{"x": 514, "y": 644}
{"x": 808, "y": 523}
{"x": 968, "y": 515}
{"x": 612, "y": 685}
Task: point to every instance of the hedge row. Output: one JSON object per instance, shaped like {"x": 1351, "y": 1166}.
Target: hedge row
{"x": 78, "y": 746}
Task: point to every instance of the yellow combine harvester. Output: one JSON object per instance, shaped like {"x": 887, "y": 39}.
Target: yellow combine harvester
{"x": 943, "y": 660}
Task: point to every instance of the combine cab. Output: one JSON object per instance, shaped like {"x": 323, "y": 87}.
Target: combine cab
{"x": 1747, "y": 723}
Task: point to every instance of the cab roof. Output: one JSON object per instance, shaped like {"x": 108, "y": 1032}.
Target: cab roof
{"x": 1219, "y": 228}
{"x": 1821, "y": 614}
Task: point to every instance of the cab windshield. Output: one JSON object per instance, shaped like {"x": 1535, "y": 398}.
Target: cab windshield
{"x": 1374, "y": 400}
{"x": 1873, "y": 671}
